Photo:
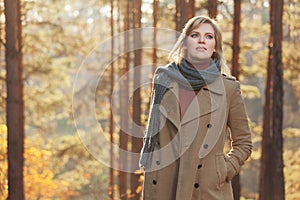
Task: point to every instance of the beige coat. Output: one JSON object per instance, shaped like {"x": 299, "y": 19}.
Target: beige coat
{"x": 189, "y": 162}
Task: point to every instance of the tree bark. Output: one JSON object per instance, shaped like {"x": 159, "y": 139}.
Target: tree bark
{"x": 181, "y": 14}
{"x": 212, "y": 8}
{"x": 14, "y": 100}
{"x": 136, "y": 139}
{"x": 236, "y": 72}
{"x": 111, "y": 120}
{"x": 191, "y": 9}
{"x": 155, "y": 20}
{"x": 124, "y": 96}
{"x": 271, "y": 185}
{"x": 236, "y": 39}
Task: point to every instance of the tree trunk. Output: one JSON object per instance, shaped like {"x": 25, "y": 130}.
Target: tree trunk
{"x": 136, "y": 139}
{"x": 155, "y": 20}
{"x": 236, "y": 39}
{"x": 191, "y": 9}
{"x": 212, "y": 8}
{"x": 177, "y": 16}
{"x": 154, "y": 41}
{"x": 236, "y": 72}
{"x": 14, "y": 100}
{"x": 181, "y": 14}
{"x": 124, "y": 96}
{"x": 236, "y": 187}
{"x": 111, "y": 120}
{"x": 271, "y": 185}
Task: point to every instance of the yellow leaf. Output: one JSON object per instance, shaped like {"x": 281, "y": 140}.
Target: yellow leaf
{"x": 138, "y": 189}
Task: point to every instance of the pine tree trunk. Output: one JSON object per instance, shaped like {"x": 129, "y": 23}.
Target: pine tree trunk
{"x": 155, "y": 20}
{"x": 136, "y": 139}
{"x": 212, "y": 8}
{"x": 14, "y": 100}
{"x": 236, "y": 39}
{"x": 271, "y": 184}
{"x": 177, "y": 16}
{"x": 191, "y": 9}
{"x": 181, "y": 14}
{"x": 124, "y": 96}
{"x": 236, "y": 72}
{"x": 111, "y": 120}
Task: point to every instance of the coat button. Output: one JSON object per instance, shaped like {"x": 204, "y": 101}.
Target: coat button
{"x": 157, "y": 162}
{"x": 154, "y": 182}
{"x": 199, "y": 166}
{"x": 196, "y": 185}
{"x": 209, "y": 125}
{"x": 205, "y": 146}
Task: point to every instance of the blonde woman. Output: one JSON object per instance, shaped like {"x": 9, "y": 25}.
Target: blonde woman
{"x": 194, "y": 108}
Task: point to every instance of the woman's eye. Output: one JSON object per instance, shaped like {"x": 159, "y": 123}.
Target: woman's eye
{"x": 209, "y": 36}
{"x": 194, "y": 35}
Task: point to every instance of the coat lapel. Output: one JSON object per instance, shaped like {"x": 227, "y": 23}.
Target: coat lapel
{"x": 207, "y": 101}
{"x": 169, "y": 106}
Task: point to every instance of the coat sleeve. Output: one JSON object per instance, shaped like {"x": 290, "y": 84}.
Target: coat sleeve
{"x": 240, "y": 134}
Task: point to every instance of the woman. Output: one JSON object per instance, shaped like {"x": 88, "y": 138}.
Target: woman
{"x": 194, "y": 110}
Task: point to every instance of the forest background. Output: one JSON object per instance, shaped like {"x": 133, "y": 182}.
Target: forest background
{"x": 68, "y": 62}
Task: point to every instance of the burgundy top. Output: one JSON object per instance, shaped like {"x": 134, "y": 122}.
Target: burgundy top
{"x": 185, "y": 98}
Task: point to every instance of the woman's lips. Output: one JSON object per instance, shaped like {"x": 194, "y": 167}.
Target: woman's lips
{"x": 201, "y": 49}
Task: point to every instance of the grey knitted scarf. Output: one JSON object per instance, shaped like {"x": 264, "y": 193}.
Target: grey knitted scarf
{"x": 188, "y": 78}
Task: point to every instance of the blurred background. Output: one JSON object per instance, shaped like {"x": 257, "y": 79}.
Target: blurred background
{"x": 70, "y": 61}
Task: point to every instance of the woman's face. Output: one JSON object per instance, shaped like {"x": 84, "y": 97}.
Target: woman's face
{"x": 200, "y": 43}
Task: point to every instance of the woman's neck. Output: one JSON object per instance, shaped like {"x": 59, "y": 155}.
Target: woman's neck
{"x": 200, "y": 64}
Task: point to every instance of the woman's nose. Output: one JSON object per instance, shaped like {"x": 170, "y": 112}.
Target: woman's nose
{"x": 201, "y": 40}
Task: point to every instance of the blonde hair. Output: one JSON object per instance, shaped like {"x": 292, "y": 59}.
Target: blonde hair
{"x": 178, "y": 52}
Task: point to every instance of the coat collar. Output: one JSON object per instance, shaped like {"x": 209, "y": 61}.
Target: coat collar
{"x": 207, "y": 101}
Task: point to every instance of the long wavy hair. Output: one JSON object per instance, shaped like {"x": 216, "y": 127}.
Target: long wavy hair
{"x": 178, "y": 52}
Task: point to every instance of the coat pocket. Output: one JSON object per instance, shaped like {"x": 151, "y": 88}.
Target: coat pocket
{"x": 230, "y": 171}
{"x": 221, "y": 168}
